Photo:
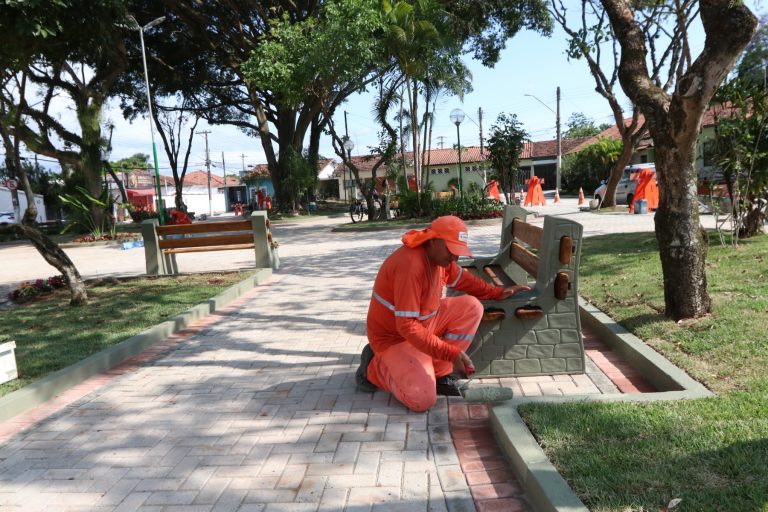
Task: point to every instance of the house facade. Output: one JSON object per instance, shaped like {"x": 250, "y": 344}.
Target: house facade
{"x": 442, "y": 167}
{"x": 141, "y": 191}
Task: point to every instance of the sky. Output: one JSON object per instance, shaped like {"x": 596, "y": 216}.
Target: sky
{"x": 531, "y": 64}
{"x": 523, "y": 83}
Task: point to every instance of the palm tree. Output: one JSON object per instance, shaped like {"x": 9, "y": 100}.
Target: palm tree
{"x": 451, "y": 77}
{"x": 411, "y": 37}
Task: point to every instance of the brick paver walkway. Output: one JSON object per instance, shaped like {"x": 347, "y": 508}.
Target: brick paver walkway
{"x": 255, "y": 408}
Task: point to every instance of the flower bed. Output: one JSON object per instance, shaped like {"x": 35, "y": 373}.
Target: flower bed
{"x": 118, "y": 237}
{"x": 28, "y": 290}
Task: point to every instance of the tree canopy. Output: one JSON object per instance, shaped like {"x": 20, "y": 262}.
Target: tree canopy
{"x": 505, "y": 145}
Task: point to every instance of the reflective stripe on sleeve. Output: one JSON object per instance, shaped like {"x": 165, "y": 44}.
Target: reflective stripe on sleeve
{"x": 404, "y": 314}
{"x": 456, "y": 337}
{"x": 457, "y": 278}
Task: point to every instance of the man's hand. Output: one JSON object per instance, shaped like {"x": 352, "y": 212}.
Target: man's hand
{"x": 464, "y": 364}
{"x": 509, "y": 291}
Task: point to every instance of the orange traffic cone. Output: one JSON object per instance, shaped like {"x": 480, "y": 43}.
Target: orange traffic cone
{"x": 557, "y": 196}
{"x": 581, "y": 197}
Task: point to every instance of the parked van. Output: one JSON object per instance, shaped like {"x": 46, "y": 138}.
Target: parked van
{"x": 625, "y": 190}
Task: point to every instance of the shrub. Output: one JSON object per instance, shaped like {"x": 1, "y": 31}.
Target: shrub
{"x": 472, "y": 207}
{"x": 141, "y": 213}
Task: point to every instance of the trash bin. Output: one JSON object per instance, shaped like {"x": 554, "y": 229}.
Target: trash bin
{"x": 641, "y": 206}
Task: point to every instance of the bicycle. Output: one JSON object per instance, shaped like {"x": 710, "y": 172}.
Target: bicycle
{"x": 359, "y": 209}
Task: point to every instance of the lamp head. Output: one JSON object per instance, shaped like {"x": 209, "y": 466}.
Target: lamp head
{"x": 348, "y": 144}
{"x": 457, "y": 116}
{"x": 154, "y": 23}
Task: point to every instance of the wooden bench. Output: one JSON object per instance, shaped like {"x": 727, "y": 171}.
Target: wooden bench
{"x": 537, "y": 332}
{"x": 163, "y": 243}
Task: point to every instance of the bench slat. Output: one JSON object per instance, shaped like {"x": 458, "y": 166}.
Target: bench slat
{"x": 561, "y": 285}
{"x": 525, "y": 258}
{"x": 498, "y": 276}
{"x": 566, "y": 249}
{"x": 205, "y": 227}
{"x": 206, "y": 241}
{"x": 206, "y": 249}
{"x": 528, "y": 233}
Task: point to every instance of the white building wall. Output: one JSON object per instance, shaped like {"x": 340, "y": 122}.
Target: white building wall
{"x": 196, "y": 199}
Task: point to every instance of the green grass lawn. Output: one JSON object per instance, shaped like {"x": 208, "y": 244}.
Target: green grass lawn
{"x": 712, "y": 453}
{"x": 51, "y": 335}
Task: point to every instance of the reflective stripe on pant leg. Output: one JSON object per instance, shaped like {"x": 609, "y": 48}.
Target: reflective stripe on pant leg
{"x": 407, "y": 373}
{"x": 456, "y": 323}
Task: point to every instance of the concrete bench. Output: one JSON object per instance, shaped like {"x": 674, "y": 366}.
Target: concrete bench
{"x": 163, "y": 243}
{"x": 537, "y": 332}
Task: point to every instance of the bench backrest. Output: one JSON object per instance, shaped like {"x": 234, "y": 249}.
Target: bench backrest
{"x": 161, "y": 243}
{"x": 238, "y": 232}
{"x": 549, "y": 254}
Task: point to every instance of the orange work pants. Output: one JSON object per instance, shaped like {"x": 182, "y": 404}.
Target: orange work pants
{"x": 410, "y": 374}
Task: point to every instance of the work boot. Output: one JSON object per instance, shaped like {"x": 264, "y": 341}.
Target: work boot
{"x": 361, "y": 375}
{"x": 447, "y": 386}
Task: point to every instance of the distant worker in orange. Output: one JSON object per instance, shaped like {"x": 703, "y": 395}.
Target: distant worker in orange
{"x": 493, "y": 190}
{"x": 418, "y": 338}
{"x": 260, "y": 199}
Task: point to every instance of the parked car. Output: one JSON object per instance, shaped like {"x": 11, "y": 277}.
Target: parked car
{"x": 7, "y": 218}
{"x": 625, "y": 190}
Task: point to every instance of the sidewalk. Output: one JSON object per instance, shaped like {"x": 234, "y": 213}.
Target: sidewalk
{"x": 256, "y": 408}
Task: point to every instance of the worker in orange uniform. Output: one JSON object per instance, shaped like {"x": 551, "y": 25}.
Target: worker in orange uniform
{"x": 493, "y": 190}
{"x": 417, "y": 337}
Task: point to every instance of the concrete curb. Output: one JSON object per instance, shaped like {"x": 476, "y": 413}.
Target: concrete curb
{"x": 545, "y": 488}
{"x": 54, "y": 384}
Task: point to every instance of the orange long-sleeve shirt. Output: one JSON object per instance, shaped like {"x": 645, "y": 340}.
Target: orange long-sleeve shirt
{"x": 407, "y": 294}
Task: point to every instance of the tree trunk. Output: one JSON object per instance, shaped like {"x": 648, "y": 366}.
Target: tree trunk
{"x": 674, "y": 122}
{"x": 54, "y": 255}
{"x": 754, "y": 220}
{"x": 411, "y": 87}
{"x": 616, "y": 173}
{"x": 683, "y": 243}
{"x": 118, "y": 182}
{"x": 89, "y": 115}
{"x": 50, "y": 251}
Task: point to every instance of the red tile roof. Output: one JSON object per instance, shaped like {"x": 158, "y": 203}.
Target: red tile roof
{"x": 200, "y": 179}
{"x": 548, "y": 148}
{"x": 365, "y": 163}
{"x": 450, "y": 155}
{"x": 262, "y": 170}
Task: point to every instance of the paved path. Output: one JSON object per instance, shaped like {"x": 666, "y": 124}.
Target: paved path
{"x": 256, "y": 409}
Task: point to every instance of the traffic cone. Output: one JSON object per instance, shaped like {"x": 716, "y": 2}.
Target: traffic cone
{"x": 557, "y": 196}
{"x": 581, "y": 197}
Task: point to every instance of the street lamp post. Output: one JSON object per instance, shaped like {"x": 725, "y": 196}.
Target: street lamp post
{"x": 457, "y": 116}
{"x": 141, "y": 30}
{"x": 348, "y": 147}
{"x": 559, "y": 161}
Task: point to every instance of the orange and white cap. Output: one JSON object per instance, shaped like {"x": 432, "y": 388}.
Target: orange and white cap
{"x": 449, "y": 228}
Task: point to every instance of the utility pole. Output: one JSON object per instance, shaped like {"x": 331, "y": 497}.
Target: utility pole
{"x": 243, "y": 157}
{"x": 441, "y": 141}
{"x": 208, "y": 166}
{"x": 559, "y": 145}
{"x": 480, "y": 120}
{"x": 224, "y": 176}
{"x": 344, "y": 170}
{"x": 482, "y": 148}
